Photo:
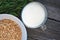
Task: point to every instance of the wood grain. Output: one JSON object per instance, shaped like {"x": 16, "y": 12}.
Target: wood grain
{"x": 53, "y": 12}
{"x": 55, "y": 3}
{"x": 51, "y": 33}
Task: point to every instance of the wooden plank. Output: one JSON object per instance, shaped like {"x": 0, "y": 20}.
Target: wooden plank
{"x": 51, "y": 33}
{"x": 53, "y": 12}
{"x": 52, "y": 2}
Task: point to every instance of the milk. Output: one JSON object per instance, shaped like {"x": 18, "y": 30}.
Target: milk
{"x": 33, "y": 15}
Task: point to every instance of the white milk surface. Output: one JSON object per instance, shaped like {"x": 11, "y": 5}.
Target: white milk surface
{"x": 33, "y": 15}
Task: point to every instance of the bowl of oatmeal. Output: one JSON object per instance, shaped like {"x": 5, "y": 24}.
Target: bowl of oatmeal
{"x": 11, "y": 28}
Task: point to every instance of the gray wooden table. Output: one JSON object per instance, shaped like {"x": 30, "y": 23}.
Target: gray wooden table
{"x": 53, "y": 23}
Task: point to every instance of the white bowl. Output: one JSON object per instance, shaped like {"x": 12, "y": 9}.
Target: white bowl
{"x": 11, "y": 17}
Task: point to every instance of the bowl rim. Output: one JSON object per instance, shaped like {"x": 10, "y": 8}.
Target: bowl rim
{"x": 18, "y": 21}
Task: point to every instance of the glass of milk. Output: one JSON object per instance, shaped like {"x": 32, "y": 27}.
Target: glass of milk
{"x": 34, "y": 15}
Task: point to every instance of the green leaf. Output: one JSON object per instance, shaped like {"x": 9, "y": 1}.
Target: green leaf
{"x": 13, "y": 7}
{"x": 15, "y": 14}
